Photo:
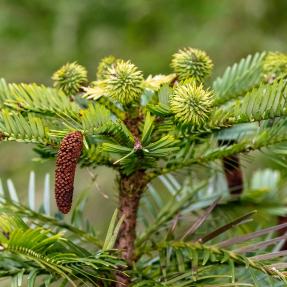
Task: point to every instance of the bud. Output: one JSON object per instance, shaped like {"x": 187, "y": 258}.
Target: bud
{"x": 191, "y": 63}
{"x": 275, "y": 66}
{"x": 67, "y": 158}
{"x": 103, "y": 67}
{"x": 70, "y": 78}
{"x": 191, "y": 104}
{"x": 124, "y": 82}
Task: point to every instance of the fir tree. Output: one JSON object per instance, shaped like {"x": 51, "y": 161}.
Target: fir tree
{"x": 145, "y": 129}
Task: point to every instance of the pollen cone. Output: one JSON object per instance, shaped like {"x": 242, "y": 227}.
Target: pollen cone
{"x": 67, "y": 158}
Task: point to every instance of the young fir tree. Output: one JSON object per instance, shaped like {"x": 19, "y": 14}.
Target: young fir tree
{"x": 144, "y": 128}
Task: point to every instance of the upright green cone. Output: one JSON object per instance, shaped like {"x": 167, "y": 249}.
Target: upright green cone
{"x": 70, "y": 78}
{"x": 104, "y": 66}
{"x": 191, "y": 104}
{"x": 124, "y": 82}
{"x": 191, "y": 63}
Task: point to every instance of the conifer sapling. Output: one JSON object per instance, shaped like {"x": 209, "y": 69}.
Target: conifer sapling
{"x": 144, "y": 129}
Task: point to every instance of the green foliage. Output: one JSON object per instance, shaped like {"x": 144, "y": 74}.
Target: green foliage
{"x": 185, "y": 264}
{"x": 31, "y": 252}
{"x": 51, "y": 253}
{"x": 19, "y": 128}
{"x": 264, "y": 102}
{"x": 94, "y": 117}
{"x": 239, "y": 78}
{"x": 40, "y": 99}
{"x": 183, "y": 256}
{"x": 39, "y": 251}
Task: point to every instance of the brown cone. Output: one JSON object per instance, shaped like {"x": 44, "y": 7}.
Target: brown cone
{"x": 67, "y": 158}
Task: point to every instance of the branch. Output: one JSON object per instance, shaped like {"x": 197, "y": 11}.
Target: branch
{"x": 266, "y": 137}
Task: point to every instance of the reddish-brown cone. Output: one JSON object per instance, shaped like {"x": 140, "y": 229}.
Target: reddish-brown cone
{"x": 67, "y": 158}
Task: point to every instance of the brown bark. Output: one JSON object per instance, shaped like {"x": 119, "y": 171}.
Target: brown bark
{"x": 281, "y": 232}
{"x": 232, "y": 170}
{"x": 131, "y": 188}
{"x": 133, "y": 124}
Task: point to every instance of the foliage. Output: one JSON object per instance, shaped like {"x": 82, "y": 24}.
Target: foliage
{"x": 41, "y": 250}
{"x": 212, "y": 263}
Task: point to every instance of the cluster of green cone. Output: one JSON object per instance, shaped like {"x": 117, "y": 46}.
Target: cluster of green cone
{"x": 190, "y": 102}
{"x": 123, "y": 82}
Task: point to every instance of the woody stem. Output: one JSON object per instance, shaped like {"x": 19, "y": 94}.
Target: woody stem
{"x": 131, "y": 189}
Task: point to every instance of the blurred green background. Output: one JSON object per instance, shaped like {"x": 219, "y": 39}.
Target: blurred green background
{"x": 38, "y": 36}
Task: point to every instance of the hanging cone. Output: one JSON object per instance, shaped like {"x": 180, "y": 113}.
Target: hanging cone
{"x": 67, "y": 158}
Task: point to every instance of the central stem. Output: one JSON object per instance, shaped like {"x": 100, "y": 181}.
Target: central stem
{"x": 131, "y": 188}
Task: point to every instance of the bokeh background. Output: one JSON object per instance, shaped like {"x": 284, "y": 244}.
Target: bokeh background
{"x": 38, "y": 36}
